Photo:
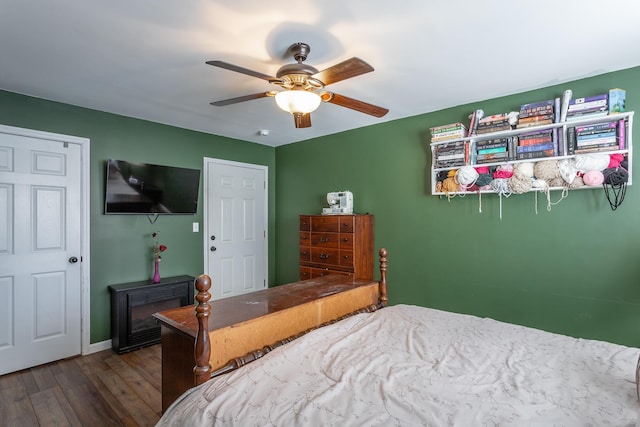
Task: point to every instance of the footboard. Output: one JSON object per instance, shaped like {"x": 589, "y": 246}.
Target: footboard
{"x": 229, "y": 333}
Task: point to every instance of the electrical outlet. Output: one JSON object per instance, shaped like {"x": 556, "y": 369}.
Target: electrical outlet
{"x": 196, "y": 227}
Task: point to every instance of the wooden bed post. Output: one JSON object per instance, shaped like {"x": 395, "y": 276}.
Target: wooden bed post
{"x": 202, "y": 347}
{"x": 384, "y": 299}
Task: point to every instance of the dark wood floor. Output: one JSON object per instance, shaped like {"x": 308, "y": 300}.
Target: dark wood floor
{"x": 101, "y": 389}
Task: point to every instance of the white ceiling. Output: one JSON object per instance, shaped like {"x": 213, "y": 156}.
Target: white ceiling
{"x": 146, "y": 58}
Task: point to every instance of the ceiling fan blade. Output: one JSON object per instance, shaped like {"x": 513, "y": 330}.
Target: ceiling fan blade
{"x": 240, "y": 99}
{"x": 242, "y": 70}
{"x": 353, "y": 104}
{"x": 302, "y": 120}
{"x": 345, "y": 70}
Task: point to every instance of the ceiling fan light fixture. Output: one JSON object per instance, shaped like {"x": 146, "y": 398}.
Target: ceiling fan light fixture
{"x": 298, "y": 101}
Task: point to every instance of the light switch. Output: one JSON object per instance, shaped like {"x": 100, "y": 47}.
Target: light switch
{"x": 196, "y": 227}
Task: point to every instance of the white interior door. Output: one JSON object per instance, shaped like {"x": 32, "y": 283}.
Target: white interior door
{"x": 40, "y": 251}
{"x": 235, "y": 228}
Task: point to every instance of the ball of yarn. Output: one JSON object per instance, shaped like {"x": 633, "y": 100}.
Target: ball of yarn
{"x": 547, "y": 170}
{"x": 593, "y": 178}
{"x": 482, "y": 169}
{"x": 523, "y": 170}
{"x": 577, "y": 183}
{"x": 452, "y": 173}
{"x": 500, "y": 186}
{"x": 591, "y": 162}
{"x": 615, "y": 160}
{"x": 484, "y": 179}
{"x": 503, "y": 171}
{"x": 519, "y": 185}
{"x": 466, "y": 176}
{"x": 540, "y": 184}
{"x": 449, "y": 185}
{"x": 615, "y": 176}
{"x": 567, "y": 170}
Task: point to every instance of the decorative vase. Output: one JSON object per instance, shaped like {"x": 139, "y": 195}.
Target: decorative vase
{"x": 156, "y": 272}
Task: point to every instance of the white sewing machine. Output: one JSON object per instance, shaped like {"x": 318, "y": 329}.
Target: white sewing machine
{"x": 340, "y": 202}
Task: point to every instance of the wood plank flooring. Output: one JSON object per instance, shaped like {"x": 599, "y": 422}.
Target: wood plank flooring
{"x": 100, "y": 389}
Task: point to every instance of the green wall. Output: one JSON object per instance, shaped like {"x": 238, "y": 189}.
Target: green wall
{"x": 121, "y": 244}
{"x": 573, "y": 270}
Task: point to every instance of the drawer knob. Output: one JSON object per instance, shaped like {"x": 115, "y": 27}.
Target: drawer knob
{"x": 346, "y": 257}
{"x": 324, "y": 239}
{"x": 324, "y": 256}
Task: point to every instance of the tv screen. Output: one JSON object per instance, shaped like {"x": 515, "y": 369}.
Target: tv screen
{"x": 142, "y": 188}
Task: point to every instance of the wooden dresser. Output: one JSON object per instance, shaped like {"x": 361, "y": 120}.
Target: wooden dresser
{"x": 336, "y": 244}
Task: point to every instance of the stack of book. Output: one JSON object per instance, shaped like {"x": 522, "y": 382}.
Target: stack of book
{"x": 590, "y": 106}
{"x": 448, "y": 132}
{"x": 449, "y": 154}
{"x": 493, "y": 150}
{"x": 598, "y": 137}
{"x": 536, "y": 144}
{"x": 494, "y": 123}
{"x": 536, "y": 113}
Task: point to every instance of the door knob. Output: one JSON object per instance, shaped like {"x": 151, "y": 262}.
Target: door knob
{"x": 213, "y": 237}
{"x": 73, "y": 260}
{"x": 213, "y": 249}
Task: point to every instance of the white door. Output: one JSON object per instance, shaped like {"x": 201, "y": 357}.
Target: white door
{"x": 40, "y": 251}
{"x": 235, "y": 228}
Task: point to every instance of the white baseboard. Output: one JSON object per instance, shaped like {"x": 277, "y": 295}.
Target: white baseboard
{"x": 99, "y": 346}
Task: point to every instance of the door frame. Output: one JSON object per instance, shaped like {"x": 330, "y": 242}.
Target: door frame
{"x": 211, "y": 162}
{"x": 85, "y": 261}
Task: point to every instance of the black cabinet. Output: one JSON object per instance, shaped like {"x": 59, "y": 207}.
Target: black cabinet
{"x": 132, "y": 306}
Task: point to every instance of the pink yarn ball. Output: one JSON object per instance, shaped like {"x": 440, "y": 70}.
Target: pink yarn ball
{"x": 593, "y": 178}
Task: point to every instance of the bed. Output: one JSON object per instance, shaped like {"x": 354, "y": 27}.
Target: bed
{"x": 405, "y": 365}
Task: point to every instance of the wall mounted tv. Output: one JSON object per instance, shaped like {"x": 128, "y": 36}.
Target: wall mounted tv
{"x": 142, "y": 188}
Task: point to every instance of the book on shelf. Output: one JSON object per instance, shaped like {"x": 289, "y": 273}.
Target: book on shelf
{"x": 622, "y": 134}
{"x": 534, "y": 154}
{"x": 540, "y": 122}
{"x": 598, "y": 135}
{"x": 492, "y": 157}
{"x": 606, "y": 140}
{"x": 587, "y": 99}
{"x": 596, "y": 148}
{"x": 492, "y": 128}
{"x": 599, "y": 127}
{"x": 492, "y": 143}
{"x": 445, "y": 128}
{"x": 588, "y": 106}
{"x": 492, "y": 150}
{"x": 534, "y": 141}
{"x": 617, "y": 100}
{"x": 536, "y": 108}
{"x": 585, "y": 115}
{"x": 473, "y": 121}
{"x": 534, "y": 147}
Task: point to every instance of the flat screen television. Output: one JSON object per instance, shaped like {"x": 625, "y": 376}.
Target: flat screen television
{"x": 143, "y": 188}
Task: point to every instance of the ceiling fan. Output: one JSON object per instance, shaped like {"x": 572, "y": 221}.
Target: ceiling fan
{"x": 303, "y": 86}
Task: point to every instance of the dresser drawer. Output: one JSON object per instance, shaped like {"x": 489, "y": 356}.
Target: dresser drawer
{"x": 346, "y": 241}
{"x": 305, "y": 254}
{"x": 319, "y": 272}
{"x": 305, "y": 238}
{"x": 325, "y": 240}
{"x": 305, "y": 223}
{"x": 345, "y": 224}
{"x": 346, "y": 258}
{"x": 305, "y": 273}
{"x": 328, "y": 223}
{"x": 325, "y": 256}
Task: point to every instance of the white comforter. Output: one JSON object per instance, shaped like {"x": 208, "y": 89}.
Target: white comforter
{"x": 407, "y": 365}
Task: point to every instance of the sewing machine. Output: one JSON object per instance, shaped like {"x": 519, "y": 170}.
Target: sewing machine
{"x": 340, "y": 202}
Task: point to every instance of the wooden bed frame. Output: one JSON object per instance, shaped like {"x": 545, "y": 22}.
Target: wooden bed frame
{"x": 246, "y": 327}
